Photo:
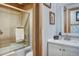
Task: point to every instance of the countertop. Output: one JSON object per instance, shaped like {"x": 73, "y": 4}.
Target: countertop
{"x": 73, "y": 43}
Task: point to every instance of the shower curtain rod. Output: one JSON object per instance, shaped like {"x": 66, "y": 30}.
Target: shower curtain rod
{"x": 13, "y": 7}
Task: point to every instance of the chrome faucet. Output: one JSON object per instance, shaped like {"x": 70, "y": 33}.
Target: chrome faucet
{"x": 67, "y": 37}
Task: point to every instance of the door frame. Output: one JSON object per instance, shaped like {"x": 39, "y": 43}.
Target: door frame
{"x": 37, "y": 31}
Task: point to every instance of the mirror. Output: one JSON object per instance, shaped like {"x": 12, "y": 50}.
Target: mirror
{"x": 71, "y": 20}
{"x": 74, "y": 25}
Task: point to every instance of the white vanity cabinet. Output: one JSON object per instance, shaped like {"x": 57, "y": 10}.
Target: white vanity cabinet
{"x": 54, "y": 50}
{"x": 62, "y": 50}
{"x": 70, "y": 51}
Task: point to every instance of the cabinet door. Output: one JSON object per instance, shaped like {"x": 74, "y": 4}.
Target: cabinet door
{"x": 54, "y": 50}
{"x": 71, "y": 51}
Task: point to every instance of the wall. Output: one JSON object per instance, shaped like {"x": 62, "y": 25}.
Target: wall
{"x": 24, "y": 18}
{"x": 48, "y": 30}
{"x": 9, "y": 20}
{"x": 59, "y": 18}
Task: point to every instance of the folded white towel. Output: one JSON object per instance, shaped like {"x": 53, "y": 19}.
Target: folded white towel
{"x": 19, "y": 34}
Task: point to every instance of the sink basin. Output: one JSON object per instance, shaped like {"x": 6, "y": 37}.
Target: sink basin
{"x": 71, "y": 42}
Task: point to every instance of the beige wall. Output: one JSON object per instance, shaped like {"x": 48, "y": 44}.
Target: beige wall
{"x": 9, "y": 20}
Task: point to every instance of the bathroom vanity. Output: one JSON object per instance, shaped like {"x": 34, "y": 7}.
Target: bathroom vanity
{"x": 63, "y": 47}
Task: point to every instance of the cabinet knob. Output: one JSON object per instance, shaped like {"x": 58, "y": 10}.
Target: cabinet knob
{"x": 63, "y": 49}
{"x": 60, "y": 49}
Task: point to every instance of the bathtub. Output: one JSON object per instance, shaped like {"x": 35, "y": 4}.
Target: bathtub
{"x": 30, "y": 53}
{"x": 19, "y": 52}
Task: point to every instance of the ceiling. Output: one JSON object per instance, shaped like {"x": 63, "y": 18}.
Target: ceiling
{"x": 19, "y": 5}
